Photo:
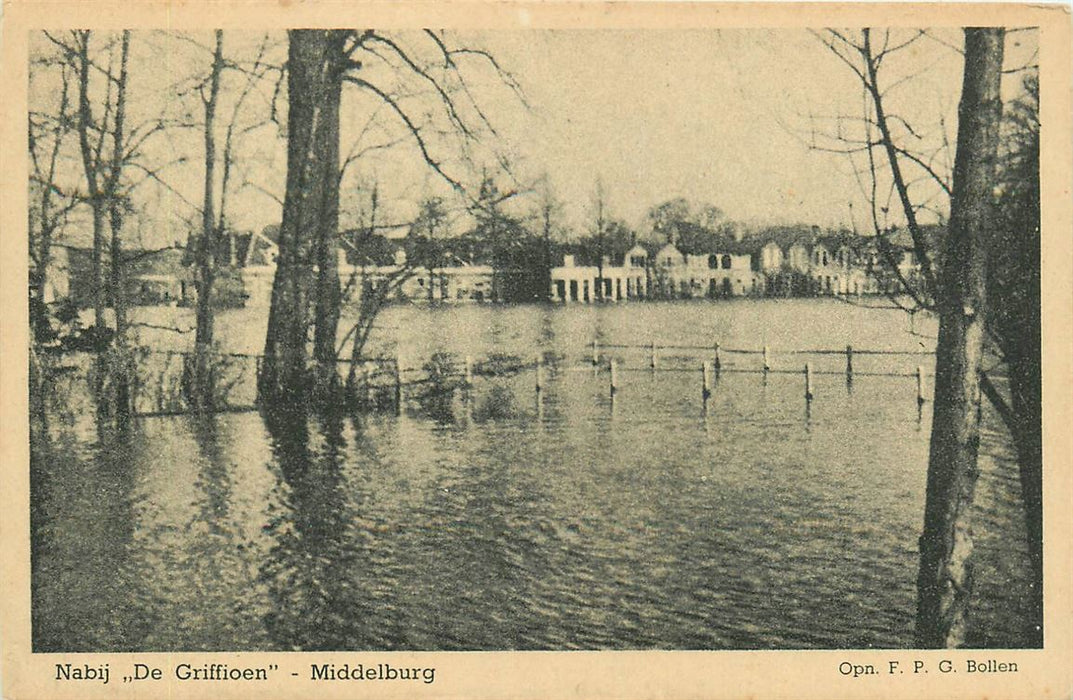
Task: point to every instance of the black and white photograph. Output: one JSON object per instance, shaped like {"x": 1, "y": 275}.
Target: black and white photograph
{"x": 424, "y": 339}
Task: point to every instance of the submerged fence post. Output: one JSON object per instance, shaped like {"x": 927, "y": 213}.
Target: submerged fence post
{"x": 808, "y": 382}
{"x": 849, "y": 363}
{"x": 539, "y": 376}
{"x": 706, "y": 379}
{"x": 614, "y": 376}
{"x": 595, "y": 353}
{"x": 467, "y": 371}
{"x": 767, "y": 364}
{"x": 920, "y": 385}
{"x": 718, "y": 364}
{"x": 398, "y": 384}
{"x": 652, "y": 357}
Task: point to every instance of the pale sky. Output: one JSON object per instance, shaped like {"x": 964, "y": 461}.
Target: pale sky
{"x": 716, "y": 116}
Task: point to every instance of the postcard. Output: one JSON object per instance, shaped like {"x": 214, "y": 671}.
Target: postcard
{"x": 536, "y": 350}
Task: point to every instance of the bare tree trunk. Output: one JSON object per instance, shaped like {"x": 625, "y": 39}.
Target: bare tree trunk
{"x": 944, "y": 583}
{"x": 313, "y": 117}
{"x": 328, "y": 296}
{"x": 115, "y": 204}
{"x": 206, "y": 246}
{"x": 546, "y": 212}
{"x": 600, "y": 225}
{"x": 1027, "y": 391}
{"x": 48, "y": 219}
{"x": 89, "y": 163}
{"x": 206, "y": 249}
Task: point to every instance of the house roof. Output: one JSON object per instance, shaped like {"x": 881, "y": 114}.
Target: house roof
{"x": 783, "y": 236}
{"x": 902, "y": 238}
{"x": 668, "y": 249}
{"x": 835, "y": 240}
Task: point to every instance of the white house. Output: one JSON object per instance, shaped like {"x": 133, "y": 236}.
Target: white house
{"x": 573, "y": 282}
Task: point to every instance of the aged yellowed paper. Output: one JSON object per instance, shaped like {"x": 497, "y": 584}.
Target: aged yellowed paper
{"x": 494, "y": 349}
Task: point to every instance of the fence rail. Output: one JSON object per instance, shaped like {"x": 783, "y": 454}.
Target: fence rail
{"x": 716, "y": 347}
{"x": 379, "y": 372}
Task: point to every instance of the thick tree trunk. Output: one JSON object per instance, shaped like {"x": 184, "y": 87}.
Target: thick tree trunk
{"x": 944, "y": 583}
{"x": 1015, "y": 304}
{"x": 1026, "y": 390}
{"x": 314, "y": 59}
{"x": 326, "y": 319}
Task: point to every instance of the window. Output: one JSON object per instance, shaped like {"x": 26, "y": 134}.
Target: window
{"x": 726, "y": 262}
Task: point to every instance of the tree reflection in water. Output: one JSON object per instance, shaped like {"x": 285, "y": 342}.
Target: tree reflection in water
{"x": 82, "y": 511}
{"x": 321, "y": 599}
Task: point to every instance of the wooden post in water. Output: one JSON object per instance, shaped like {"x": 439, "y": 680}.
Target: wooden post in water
{"x": 614, "y": 376}
{"x": 767, "y": 364}
{"x": 808, "y": 382}
{"x": 718, "y": 364}
{"x": 920, "y": 385}
{"x": 398, "y": 384}
{"x": 467, "y": 372}
{"x": 595, "y": 353}
{"x": 367, "y": 380}
{"x": 540, "y": 387}
{"x": 652, "y": 358}
{"x": 849, "y": 363}
{"x": 706, "y": 380}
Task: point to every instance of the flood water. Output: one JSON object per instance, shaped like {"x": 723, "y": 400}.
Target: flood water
{"x": 499, "y": 520}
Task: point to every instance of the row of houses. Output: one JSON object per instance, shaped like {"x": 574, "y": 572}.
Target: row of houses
{"x": 791, "y": 264}
{"x": 784, "y": 262}
{"x": 457, "y": 283}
